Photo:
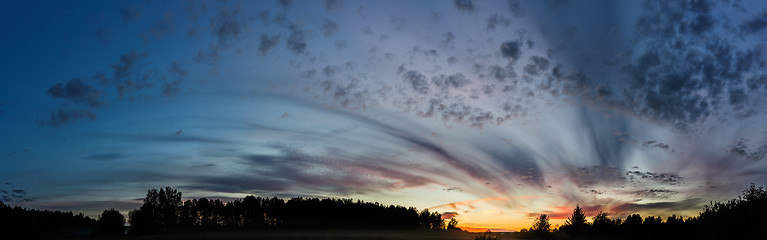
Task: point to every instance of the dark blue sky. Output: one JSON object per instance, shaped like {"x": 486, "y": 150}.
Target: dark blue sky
{"x": 492, "y": 110}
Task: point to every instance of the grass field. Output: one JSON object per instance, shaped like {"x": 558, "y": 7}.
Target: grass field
{"x": 319, "y": 235}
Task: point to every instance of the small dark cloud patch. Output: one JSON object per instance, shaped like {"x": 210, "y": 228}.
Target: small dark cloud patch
{"x": 449, "y": 215}
{"x": 11, "y": 193}
{"x": 465, "y": 5}
{"x": 511, "y": 49}
{"x": 496, "y": 20}
{"x": 228, "y": 27}
{"x": 744, "y": 149}
{"x": 77, "y": 92}
{"x": 448, "y": 38}
{"x": 285, "y": 4}
{"x": 655, "y": 193}
{"x": 515, "y": 8}
{"x": 586, "y": 177}
{"x": 330, "y": 70}
{"x": 502, "y": 73}
{"x": 64, "y": 116}
{"x": 665, "y": 178}
{"x": 333, "y": 4}
{"x": 537, "y": 65}
{"x": 267, "y": 42}
{"x": 702, "y": 23}
{"x": 755, "y": 23}
{"x": 296, "y": 42}
{"x": 329, "y": 27}
{"x": 450, "y": 189}
{"x": 417, "y": 81}
{"x": 457, "y": 80}
{"x": 452, "y": 60}
{"x": 125, "y": 77}
{"x": 657, "y": 145}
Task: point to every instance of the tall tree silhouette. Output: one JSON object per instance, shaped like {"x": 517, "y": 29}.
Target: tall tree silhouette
{"x": 110, "y": 223}
{"x": 601, "y": 224}
{"x": 159, "y": 213}
{"x": 541, "y": 224}
{"x": 576, "y": 223}
{"x": 453, "y": 224}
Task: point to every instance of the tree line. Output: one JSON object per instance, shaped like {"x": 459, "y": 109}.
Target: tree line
{"x": 164, "y": 211}
{"x": 22, "y": 223}
{"x": 744, "y": 217}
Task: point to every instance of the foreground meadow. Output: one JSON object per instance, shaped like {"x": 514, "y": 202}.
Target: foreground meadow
{"x": 319, "y": 235}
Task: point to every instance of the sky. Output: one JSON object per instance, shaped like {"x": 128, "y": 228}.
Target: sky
{"x": 492, "y": 112}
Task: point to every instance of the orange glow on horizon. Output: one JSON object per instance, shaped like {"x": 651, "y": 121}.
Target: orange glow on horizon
{"x": 468, "y": 203}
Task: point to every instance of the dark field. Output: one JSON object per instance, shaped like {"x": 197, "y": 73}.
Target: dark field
{"x": 319, "y": 235}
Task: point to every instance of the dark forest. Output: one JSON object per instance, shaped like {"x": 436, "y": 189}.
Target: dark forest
{"x": 164, "y": 211}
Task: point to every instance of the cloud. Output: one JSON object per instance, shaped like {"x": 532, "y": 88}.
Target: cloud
{"x": 538, "y": 64}
{"x": 11, "y": 193}
{"x": 334, "y": 172}
{"x": 333, "y": 4}
{"x": 448, "y": 38}
{"x": 268, "y": 42}
{"x": 449, "y": 215}
{"x": 515, "y": 8}
{"x": 665, "y": 178}
{"x": 417, "y": 81}
{"x": 329, "y": 27}
{"x": 77, "y": 92}
{"x": 228, "y": 27}
{"x": 64, "y": 116}
{"x": 285, "y": 3}
{"x": 296, "y": 42}
{"x": 755, "y": 23}
{"x": 655, "y": 193}
{"x": 497, "y": 20}
{"x": 742, "y": 148}
{"x": 125, "y": 77}
{"x": 465, "y": 5}
{"x": 511, "y": 49}
{"x": 658, "y": 145}
{"x": 457, "y": 80}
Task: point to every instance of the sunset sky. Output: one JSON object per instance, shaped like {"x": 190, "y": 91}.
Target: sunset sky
{"x": 488, "y": 111}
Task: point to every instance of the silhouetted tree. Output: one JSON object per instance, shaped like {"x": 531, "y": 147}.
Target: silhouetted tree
{"x": 541, "y": 224}
{"x": 576, "y": 223}
{"x": 740, "y": 218}
{"x": 160, "y": 212}
{"x": 453, "y": 224}
{"x": 110, "y": 223}
{"x": 602, "y": 225}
